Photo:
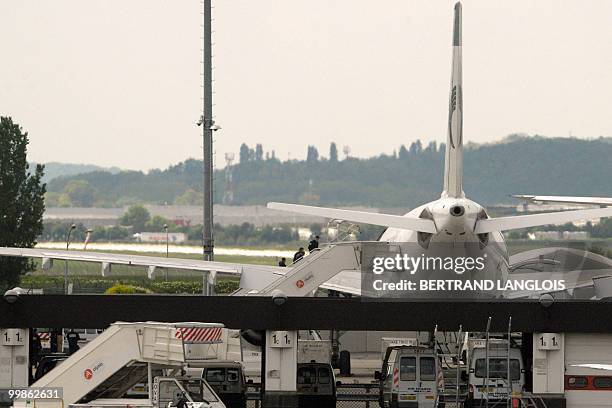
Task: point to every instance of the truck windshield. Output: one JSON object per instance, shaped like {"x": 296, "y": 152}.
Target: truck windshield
{"x": 498, "y": 368}
{"x": 408, "y": 368}
{"x": 215, "y": 374}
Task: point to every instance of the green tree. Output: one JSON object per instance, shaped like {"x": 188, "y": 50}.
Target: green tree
{"x": 333, "y": 152}
{"x": 244, "y": 153}
{"x": 136, "y": 216}
{"x": 157, "y": 223}
{"x": 259, "y": 152}
{"x": 312, "y": 155}
{"x": 22, "y": 201}
{"x": 189, "y": 197}
{"x": 80, "y": 192}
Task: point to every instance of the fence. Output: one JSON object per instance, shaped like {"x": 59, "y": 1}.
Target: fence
{"x": 348, "y": 395}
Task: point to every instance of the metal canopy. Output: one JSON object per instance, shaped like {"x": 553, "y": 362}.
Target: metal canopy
{"x": 99, "y": 311}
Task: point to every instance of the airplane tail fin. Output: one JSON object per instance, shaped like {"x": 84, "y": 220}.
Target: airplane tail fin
{"x": 453, "y": 160}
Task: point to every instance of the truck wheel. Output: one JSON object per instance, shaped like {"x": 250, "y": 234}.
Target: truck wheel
{"x": 345, "y": 362}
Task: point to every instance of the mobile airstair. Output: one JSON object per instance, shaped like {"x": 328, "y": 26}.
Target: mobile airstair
{"x": 114, "y": 361}
{"x": 305, "y": 276}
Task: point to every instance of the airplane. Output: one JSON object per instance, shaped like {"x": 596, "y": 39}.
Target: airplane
{"x": 454, "y": 220}
{"x": 452, "y": 225}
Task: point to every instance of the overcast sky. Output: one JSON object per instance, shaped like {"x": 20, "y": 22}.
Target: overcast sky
{"x": 113, "y": 82}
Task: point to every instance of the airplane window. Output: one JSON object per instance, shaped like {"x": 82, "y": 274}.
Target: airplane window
{"x": 578, "y": 382}
{"x": 408, "y": 368}
{"x": 427, "y": 369}
{"x": 602, "y": 382}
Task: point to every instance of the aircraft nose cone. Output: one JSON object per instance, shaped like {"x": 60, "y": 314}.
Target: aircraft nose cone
{"x": 457, "y": 210}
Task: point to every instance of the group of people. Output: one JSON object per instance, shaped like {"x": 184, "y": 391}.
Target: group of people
{"x": 312, "y": 245}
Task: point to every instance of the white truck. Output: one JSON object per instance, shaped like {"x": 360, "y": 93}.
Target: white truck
{"x": 409, "y": 377}
{"x": 100, "y": 373}
{"x": 493, "y": 384}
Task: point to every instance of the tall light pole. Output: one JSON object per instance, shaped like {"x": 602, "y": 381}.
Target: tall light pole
{"x": 165, "y": 227}
{"x": 207, "y": 132}
{"x": 208, "y": 127}
{"x": 70, "y": 229}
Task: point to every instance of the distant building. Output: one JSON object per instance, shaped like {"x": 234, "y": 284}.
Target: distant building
{"x": 559, "y": 235}
{"x": 160, "y": 237}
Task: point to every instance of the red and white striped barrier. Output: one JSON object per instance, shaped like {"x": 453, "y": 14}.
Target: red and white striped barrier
{"x": 199, "y": 335}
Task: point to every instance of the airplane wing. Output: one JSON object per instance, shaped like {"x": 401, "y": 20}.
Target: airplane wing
{"x": 603, "y": 201}
{"x": 576, "y": 267}
{"x": 535, "y": 220}
{"x": 151, "y": 262}
{"x": 251, "y": 275}
{"x": 386, "y": 220}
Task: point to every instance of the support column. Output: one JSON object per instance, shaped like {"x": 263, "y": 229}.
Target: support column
{"x": 548, "y": 363}
{"x": 280, "y": 369}
{"x": 14, "y": 360}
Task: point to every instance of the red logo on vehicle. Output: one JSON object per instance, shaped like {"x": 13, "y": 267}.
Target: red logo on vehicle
{"x": 299, "y": 284}
{"x": 88, "y": 374}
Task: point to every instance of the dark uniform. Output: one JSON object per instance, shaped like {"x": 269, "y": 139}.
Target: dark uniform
{"x": 314, "y": 244}
{"x": 73, "y": 341}
{"x": 282, "y": 262}
{"x": 299, "y": 255}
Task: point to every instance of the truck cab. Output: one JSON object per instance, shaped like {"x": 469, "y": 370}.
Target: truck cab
{"x": 408, "y": 377}
{"x": 225, "y": 377}
{"x": 497, "y": 386}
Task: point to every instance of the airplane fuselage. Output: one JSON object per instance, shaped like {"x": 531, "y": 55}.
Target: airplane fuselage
{"x": 455, "y": 219}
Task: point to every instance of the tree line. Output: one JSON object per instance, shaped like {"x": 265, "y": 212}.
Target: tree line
{"x": 407, "y": 177}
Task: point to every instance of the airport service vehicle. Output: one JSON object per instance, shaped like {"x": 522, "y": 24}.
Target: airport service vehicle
{"x": 493, "y": 385}
{"x": 316, "y": 385}
{"x": 100, "y": 374}
{"x": 409, "y": 377}
{"x": 225, "y": 377}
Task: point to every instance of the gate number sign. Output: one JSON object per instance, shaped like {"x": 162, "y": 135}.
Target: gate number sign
{"x": 12, "y": 337}
{"x": 281, "y": 339}
{"x": 549, "y": 341}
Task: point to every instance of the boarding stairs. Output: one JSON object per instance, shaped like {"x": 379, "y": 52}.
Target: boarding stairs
{"x": 305, "y": 276}
{"x": 117, "y": 357}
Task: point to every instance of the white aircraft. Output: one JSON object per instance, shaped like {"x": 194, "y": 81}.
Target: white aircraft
{"x": 455, "y": 221}
{"x": 453, "y": 225}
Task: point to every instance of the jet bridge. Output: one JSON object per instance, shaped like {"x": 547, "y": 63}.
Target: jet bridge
{"x": 119, "y": 355}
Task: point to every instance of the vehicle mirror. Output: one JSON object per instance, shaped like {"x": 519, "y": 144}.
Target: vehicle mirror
{"x": 377, "y": 375}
